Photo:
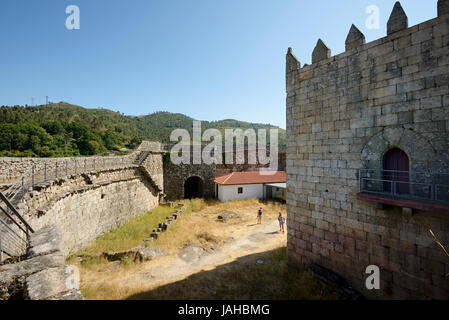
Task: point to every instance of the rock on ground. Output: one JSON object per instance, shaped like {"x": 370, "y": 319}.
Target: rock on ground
{"x": 147, "y": 254}
{"x": 193, "y": 253}
{"x": 225, "y": 216}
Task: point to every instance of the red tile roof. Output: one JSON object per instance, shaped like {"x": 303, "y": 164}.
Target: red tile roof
{"x": 252, "y": 177}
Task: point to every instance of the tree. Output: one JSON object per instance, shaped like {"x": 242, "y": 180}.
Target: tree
{"x": 35, "y": 144}
{"x": 94, "y": 147}
{"x": 110, "y": 140}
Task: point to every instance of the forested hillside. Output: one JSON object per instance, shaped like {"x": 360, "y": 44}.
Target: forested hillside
{"x": 63, "y": 129}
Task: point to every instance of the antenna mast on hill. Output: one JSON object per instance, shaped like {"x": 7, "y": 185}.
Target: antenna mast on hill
{"x": 46, "y": 100}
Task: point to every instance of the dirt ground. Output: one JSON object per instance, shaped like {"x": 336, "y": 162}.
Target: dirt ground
{"x": 197, "y": 246}
{"x": 245, "y": 241}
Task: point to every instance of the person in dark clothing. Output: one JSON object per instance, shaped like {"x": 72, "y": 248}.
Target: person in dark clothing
{"x": 259, "y": 216}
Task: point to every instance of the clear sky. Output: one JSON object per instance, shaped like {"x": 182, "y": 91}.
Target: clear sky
{"x": 208, "y": 59}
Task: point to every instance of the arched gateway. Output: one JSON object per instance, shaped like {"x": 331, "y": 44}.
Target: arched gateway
{"x": 193, "y": 188}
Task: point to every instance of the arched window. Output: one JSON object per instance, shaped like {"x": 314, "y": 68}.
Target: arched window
{"x": 396, "y": 172}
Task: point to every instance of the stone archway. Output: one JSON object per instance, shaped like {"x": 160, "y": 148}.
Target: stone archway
{"x": 415, "y": 147}
{"x": 193, "y": 188}
{"x": 419, "y": 150}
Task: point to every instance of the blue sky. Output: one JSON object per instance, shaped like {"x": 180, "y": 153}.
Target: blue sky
{"x": 208, "y": 59}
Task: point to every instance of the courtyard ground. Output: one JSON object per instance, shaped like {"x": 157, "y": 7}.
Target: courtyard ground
{"x": 205, "y": 258}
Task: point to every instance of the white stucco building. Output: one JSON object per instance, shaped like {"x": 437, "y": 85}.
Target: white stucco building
{"x": 247, "y": 185}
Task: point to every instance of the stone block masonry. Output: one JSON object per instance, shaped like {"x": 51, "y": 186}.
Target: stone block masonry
{"x": 43, "y": 275}
{"x": 86, "y": 206}
{"x": 87, "y": 202}
{"x": 175, "y": 176}
{"x": 71, "y": 210}
{"x": 12, "y": 168}
{"x": 343, "y": 114}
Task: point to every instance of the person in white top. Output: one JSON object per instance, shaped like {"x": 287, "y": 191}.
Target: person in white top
{"x": 281, "y": 222}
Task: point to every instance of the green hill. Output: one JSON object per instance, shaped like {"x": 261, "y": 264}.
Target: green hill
{"x": 62, "y": 129}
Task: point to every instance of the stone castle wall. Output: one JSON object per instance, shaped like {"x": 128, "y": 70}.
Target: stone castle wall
{"x": 244, "y": 164}
{"x": 86, "y": 206}
{"x": 343, "y": 113}
{"x": 84, "y": 202}
{"x": 153, "y": 165}
{"x": 175, "y": 176}
{"x": 43, "y": 275}
{"x": 12, "y": 168}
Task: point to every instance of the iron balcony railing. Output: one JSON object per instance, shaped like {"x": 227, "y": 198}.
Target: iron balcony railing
{"x": 419, "y": 186}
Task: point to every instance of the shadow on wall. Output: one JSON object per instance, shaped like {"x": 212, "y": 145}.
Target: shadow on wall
{"x": 245, "y": 279}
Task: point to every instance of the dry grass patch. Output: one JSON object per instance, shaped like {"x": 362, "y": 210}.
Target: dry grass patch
{"x": 202, "y": 227}
{"x": 208, "y": 238}
{"x": 242, "y": 279}
{"x": 130, "y": 234}
{"x": 101, "y": 279}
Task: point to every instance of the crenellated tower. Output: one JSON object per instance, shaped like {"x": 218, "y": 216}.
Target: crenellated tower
{"x": 352, "y": 119}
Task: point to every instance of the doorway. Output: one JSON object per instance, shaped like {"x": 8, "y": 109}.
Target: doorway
{"x": 193, "y": 188}
{"x": 397, "y": 172}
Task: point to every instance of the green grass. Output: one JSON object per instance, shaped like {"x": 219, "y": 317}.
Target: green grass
{"x": 131, "y": 234}
{"x": 195, "y": 205}
{"x": 134, "y": 231}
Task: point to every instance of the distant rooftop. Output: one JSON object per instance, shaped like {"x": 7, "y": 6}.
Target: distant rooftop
{"x": 252, "y": 177}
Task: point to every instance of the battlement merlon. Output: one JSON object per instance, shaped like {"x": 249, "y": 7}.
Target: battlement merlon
{"x": 292, "y": 69}
{"x": 321, "y": 52}
{"x": 398, "y": 19}
{"x": 354, "y": 39}
{"x": 355, "y": 43}
{"x": 443, "y": 7}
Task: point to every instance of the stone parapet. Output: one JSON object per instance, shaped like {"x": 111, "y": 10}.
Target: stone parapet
{"x": 43, "y": 275}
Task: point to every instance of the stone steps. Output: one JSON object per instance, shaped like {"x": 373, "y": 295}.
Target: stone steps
{"x": 44, "y": 275}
